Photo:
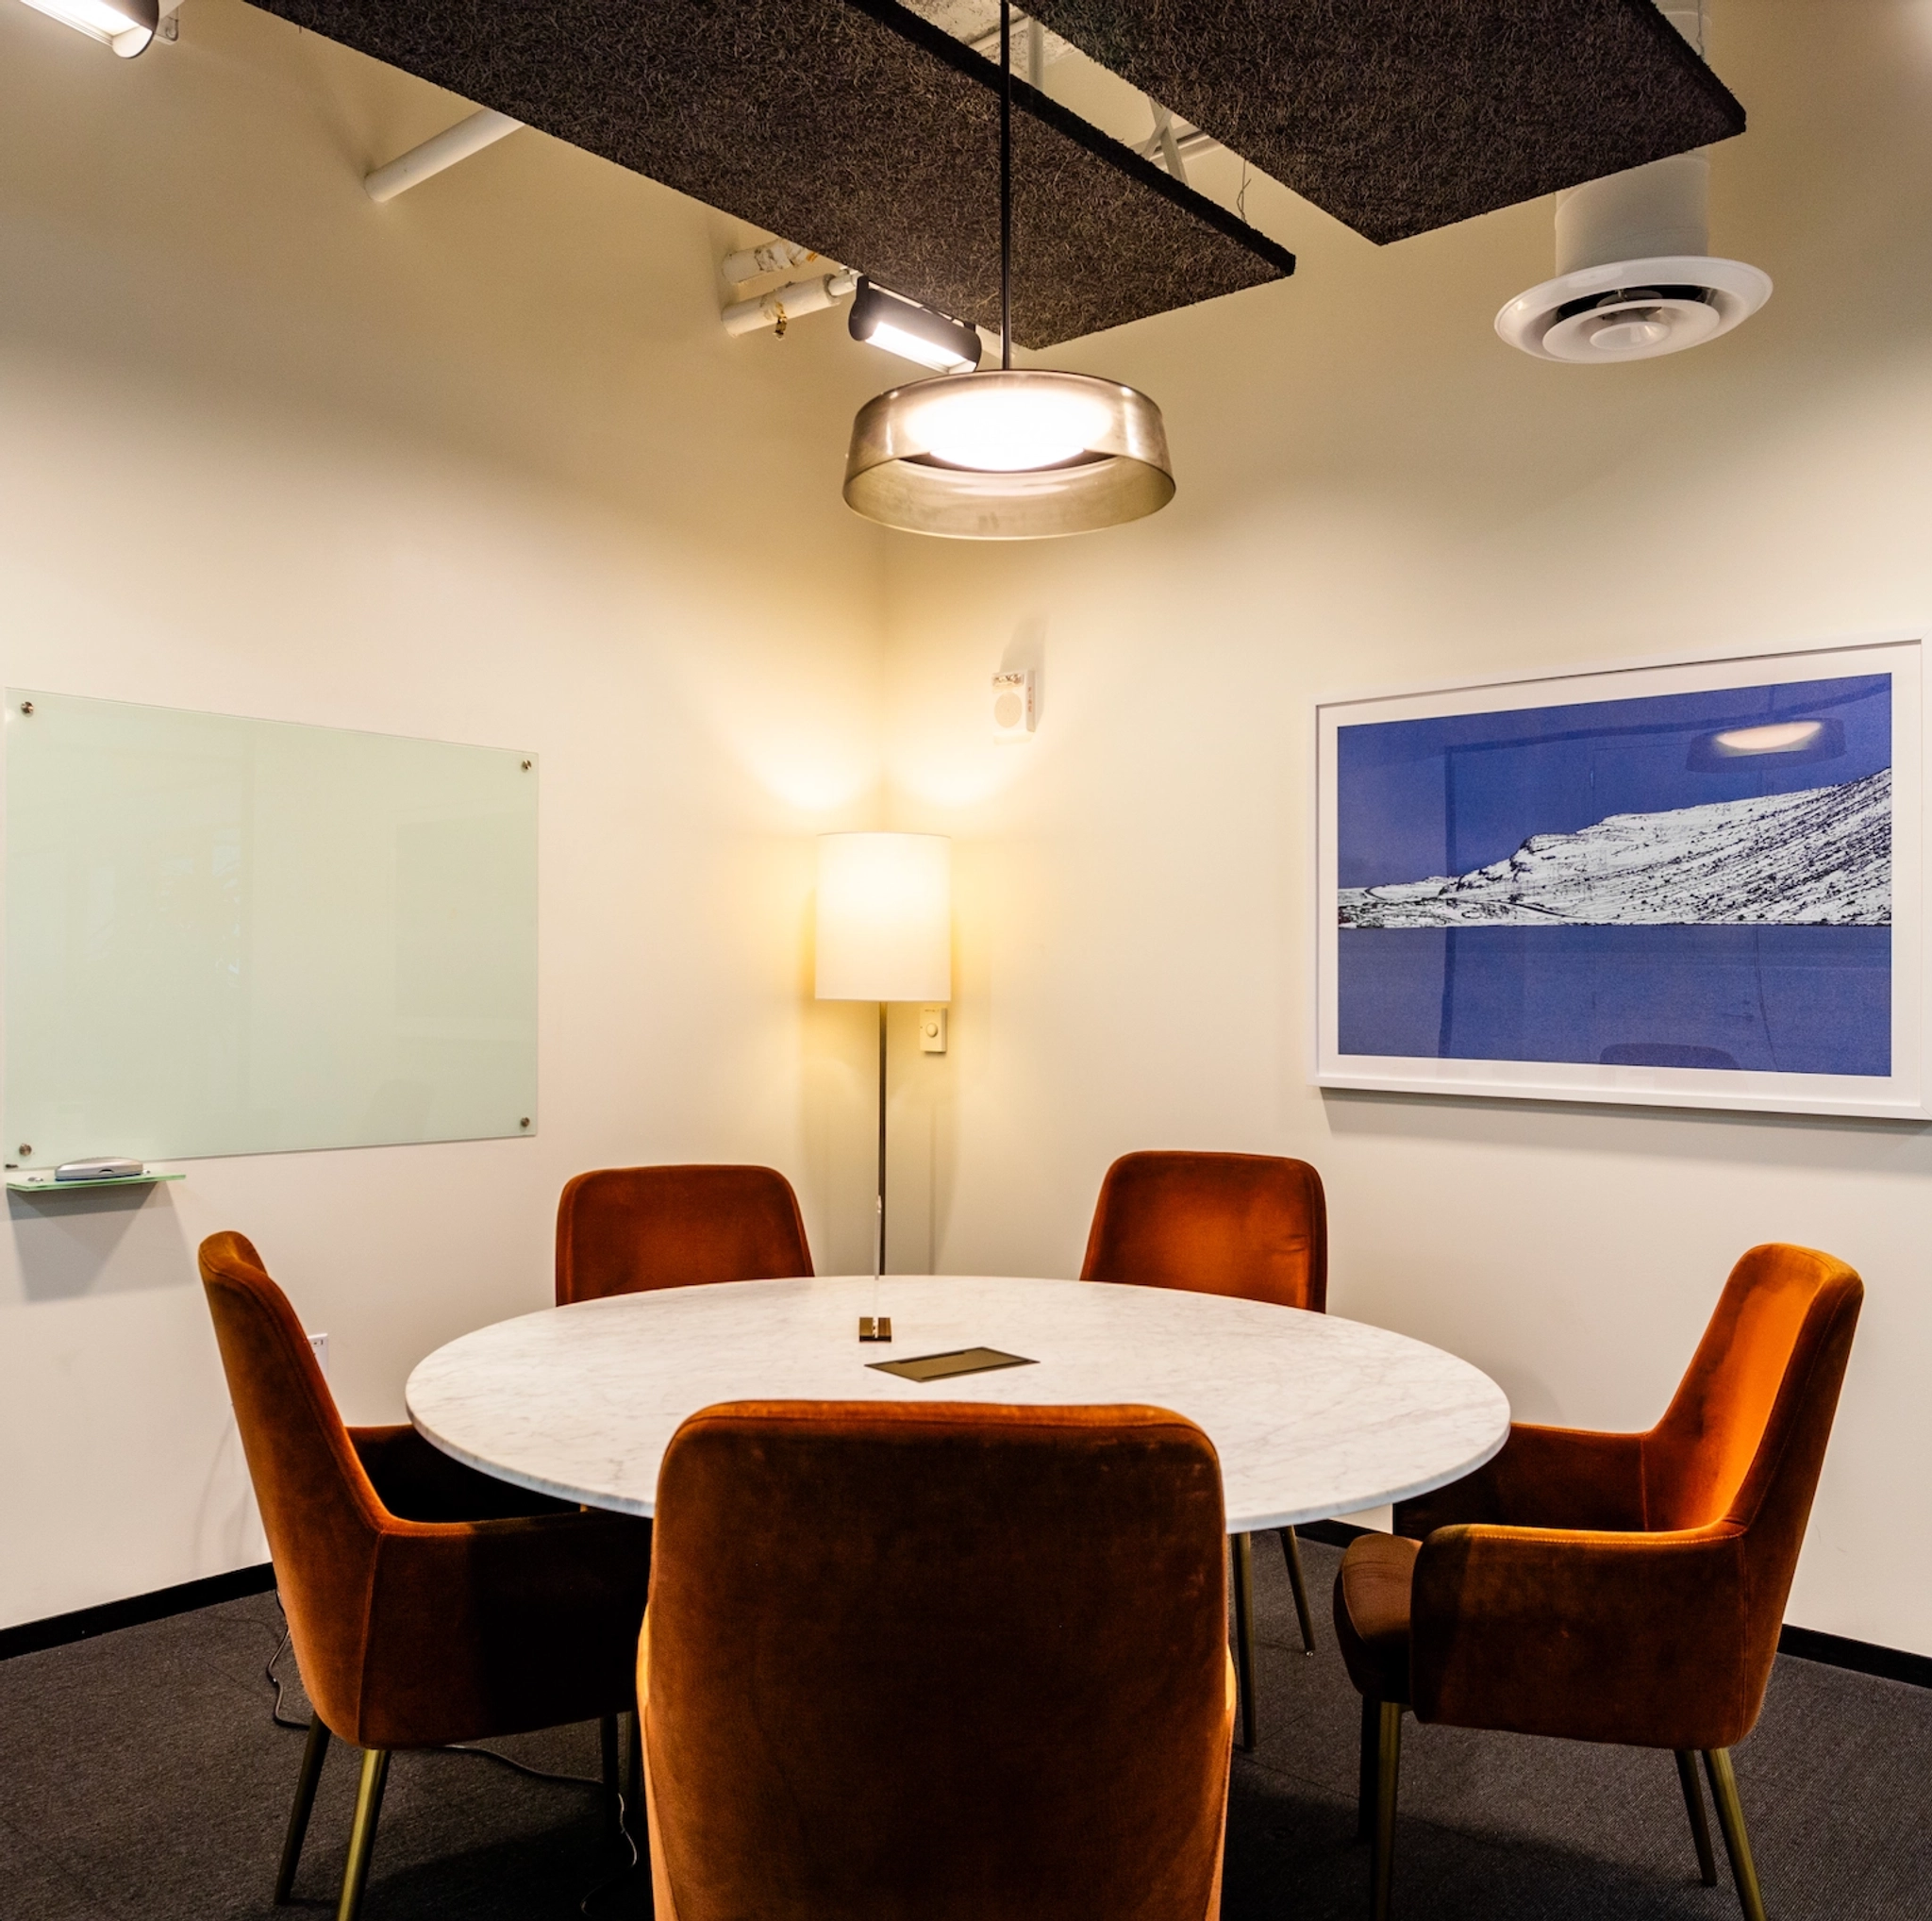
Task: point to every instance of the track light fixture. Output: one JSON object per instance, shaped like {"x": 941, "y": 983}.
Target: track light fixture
{"x": 913, "y": 332}
{"x": 1019, "y": 454}
{"x": 126, "y": 25}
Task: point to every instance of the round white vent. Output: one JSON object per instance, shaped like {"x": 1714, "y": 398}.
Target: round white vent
{"x": 1634, "y": 310}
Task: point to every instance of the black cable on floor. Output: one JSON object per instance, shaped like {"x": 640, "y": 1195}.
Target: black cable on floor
{"x": 536, "y": 1774}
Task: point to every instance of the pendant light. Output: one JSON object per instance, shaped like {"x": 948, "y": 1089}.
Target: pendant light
{"x": 1020, "y": 454}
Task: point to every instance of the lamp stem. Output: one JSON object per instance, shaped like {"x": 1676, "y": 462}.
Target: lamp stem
{"x": 1005, "y": 185}
{"x": 878, "y": 1247}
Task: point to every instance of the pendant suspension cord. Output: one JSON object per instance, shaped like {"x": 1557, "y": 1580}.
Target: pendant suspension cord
{"x": 1006, "y": 184}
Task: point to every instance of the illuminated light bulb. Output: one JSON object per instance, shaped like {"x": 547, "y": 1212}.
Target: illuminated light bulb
{"x": 1782, "y": 737}
{"x": 126, "y": 25}
{"x": 1001, "y": 428}
{"x": 909, "y": 346}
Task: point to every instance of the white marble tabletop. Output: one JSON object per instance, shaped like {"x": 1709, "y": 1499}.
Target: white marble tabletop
{"x": 1312, "y": 1415}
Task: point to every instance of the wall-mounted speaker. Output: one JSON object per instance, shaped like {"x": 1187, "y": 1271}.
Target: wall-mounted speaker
{"x": 1013, "y": 707}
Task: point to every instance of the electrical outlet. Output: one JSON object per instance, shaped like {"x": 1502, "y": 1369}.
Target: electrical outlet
{"x": 319, "y": 1343}
{"x": 932, "y": 1030}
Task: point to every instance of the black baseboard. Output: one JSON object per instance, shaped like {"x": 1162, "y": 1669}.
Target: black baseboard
{"x": 84, "y": 1623}
{"x": 1330, "y": 1533}
{"x": 1861, "y": 1657}
{"x": 1805, "y": 1644}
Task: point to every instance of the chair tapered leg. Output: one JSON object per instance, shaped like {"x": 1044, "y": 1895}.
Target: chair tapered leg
{"x": 1244, "y": 1633}
{"x": 362, "y": 1835}
{"x": 312, "y": 1757}
{"x": 637, "y": 1777}
{"x": 1730, "y": 1817}
{"x": 1292, "y": 1548}
{"x": 1365, "y": 1789}
{"x": 1693, "y": 1806}
{"x": 1387, "y": 1768}
{"x": 613, "y": 1793}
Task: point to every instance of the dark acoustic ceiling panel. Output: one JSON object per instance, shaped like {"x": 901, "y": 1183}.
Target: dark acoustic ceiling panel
{"x": 851, "y": 126}
{"x": 1398, "y": 116}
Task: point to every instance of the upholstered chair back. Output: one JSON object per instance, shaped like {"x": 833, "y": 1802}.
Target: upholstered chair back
{"x": 1251, "y": 1225}
{"x": 941, "y": 1661}
{"x": 629, "y": 1230}
{"x": 427, "y": 1603}
{"x": 1749, "y": 1421}
{"x": 1742, "y": 1443}
{"x": 321, "y": 1513}
{"x": 1630, "y": 1587}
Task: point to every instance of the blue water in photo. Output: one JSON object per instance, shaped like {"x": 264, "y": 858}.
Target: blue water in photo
{"x": 1785, "y": 1000}
{"x": 1443, "y": 797}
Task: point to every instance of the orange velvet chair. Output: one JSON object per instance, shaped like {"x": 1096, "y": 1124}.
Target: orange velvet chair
{"x": 936, "y": 1660}
{"x": 1254, "y": 1225}
{"x": 629, "y": 1230}
{"x": 1615, "y": 1587}
{"x": 427, "y": 1603}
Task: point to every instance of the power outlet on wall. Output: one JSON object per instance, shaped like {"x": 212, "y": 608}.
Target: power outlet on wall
{"x": 319, "y": 1343}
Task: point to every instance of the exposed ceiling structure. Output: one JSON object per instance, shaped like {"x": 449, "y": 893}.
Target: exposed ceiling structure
{"x": 869, "y": 133}
{"x": 852, "y": 126}
{"x": 1399, "y": 116}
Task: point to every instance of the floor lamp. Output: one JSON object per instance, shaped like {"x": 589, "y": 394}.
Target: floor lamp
{"x": 885, "y": 933}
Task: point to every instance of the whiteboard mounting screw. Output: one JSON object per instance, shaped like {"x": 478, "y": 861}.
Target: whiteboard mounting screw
{"x": 526, "y": 766}
{"x": 26, "y": 1146}
{"x": 27, "y": 706}
{"x": 523, "y": 1123}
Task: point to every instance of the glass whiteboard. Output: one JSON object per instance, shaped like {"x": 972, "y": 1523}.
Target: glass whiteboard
{"x": 242, "y": 937}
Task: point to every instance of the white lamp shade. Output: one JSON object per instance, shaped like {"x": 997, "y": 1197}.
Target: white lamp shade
{"x": 885, "y": 917}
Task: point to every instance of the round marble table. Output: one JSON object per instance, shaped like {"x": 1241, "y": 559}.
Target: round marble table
{"x": 1312, "y": 1415}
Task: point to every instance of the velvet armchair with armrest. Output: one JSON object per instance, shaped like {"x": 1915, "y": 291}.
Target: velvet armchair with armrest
{"x": 1624, "y": 1588}
{"x": 427, "y": 1603}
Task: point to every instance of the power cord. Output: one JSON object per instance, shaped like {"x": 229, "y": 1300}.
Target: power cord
{"x": 534, "y": 1774}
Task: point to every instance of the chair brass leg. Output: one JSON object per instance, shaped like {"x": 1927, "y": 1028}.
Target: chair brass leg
{"x": 1693, "y": 1806}
{"x": 1245, "y": 1634}
{"x": 1730, "y": 1817}
{"x": 1292, "y": 1548}
{"x": 312, "y": 1756}
{"x": 1388, "y": 1766}
{"x": 362, "y": 1835}
{"x": 1365, "y": 1789}
{"x": 613, "y": 1793}
{"x": 637, "y": 1777}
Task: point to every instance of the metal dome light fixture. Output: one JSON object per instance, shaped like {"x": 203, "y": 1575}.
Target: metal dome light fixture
{"x": 1017, "y": 454}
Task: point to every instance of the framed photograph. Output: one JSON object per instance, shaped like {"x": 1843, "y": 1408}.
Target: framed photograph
{"x": 1695, "y": 883}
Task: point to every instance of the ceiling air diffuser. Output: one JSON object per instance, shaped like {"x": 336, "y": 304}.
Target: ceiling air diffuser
{"x": 1635, "y": 277}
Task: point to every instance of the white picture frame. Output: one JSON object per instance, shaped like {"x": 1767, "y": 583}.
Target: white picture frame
{"x": 1635, "y": 989}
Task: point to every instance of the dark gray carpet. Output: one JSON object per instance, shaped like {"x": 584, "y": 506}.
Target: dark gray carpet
{"x": 141, "y": 1776}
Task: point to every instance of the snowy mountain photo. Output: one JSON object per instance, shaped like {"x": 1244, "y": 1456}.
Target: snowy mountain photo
{"x": 1818, "y": 858}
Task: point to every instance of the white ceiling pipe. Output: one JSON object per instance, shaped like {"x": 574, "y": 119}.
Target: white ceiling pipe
{"x": 773, "y": 256}
{"x": 784, "y": 305}
{"x": 481, "y": 129}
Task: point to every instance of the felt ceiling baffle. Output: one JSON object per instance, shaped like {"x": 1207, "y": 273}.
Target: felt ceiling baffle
{"x": 851, "y": 126}
{"x": 1399, "y": 116}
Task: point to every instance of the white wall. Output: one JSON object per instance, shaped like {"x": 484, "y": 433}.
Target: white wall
{"x": 481, "y": 465}
{"x": 478, "y": 465}
{"x": 1375, "y": 493}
